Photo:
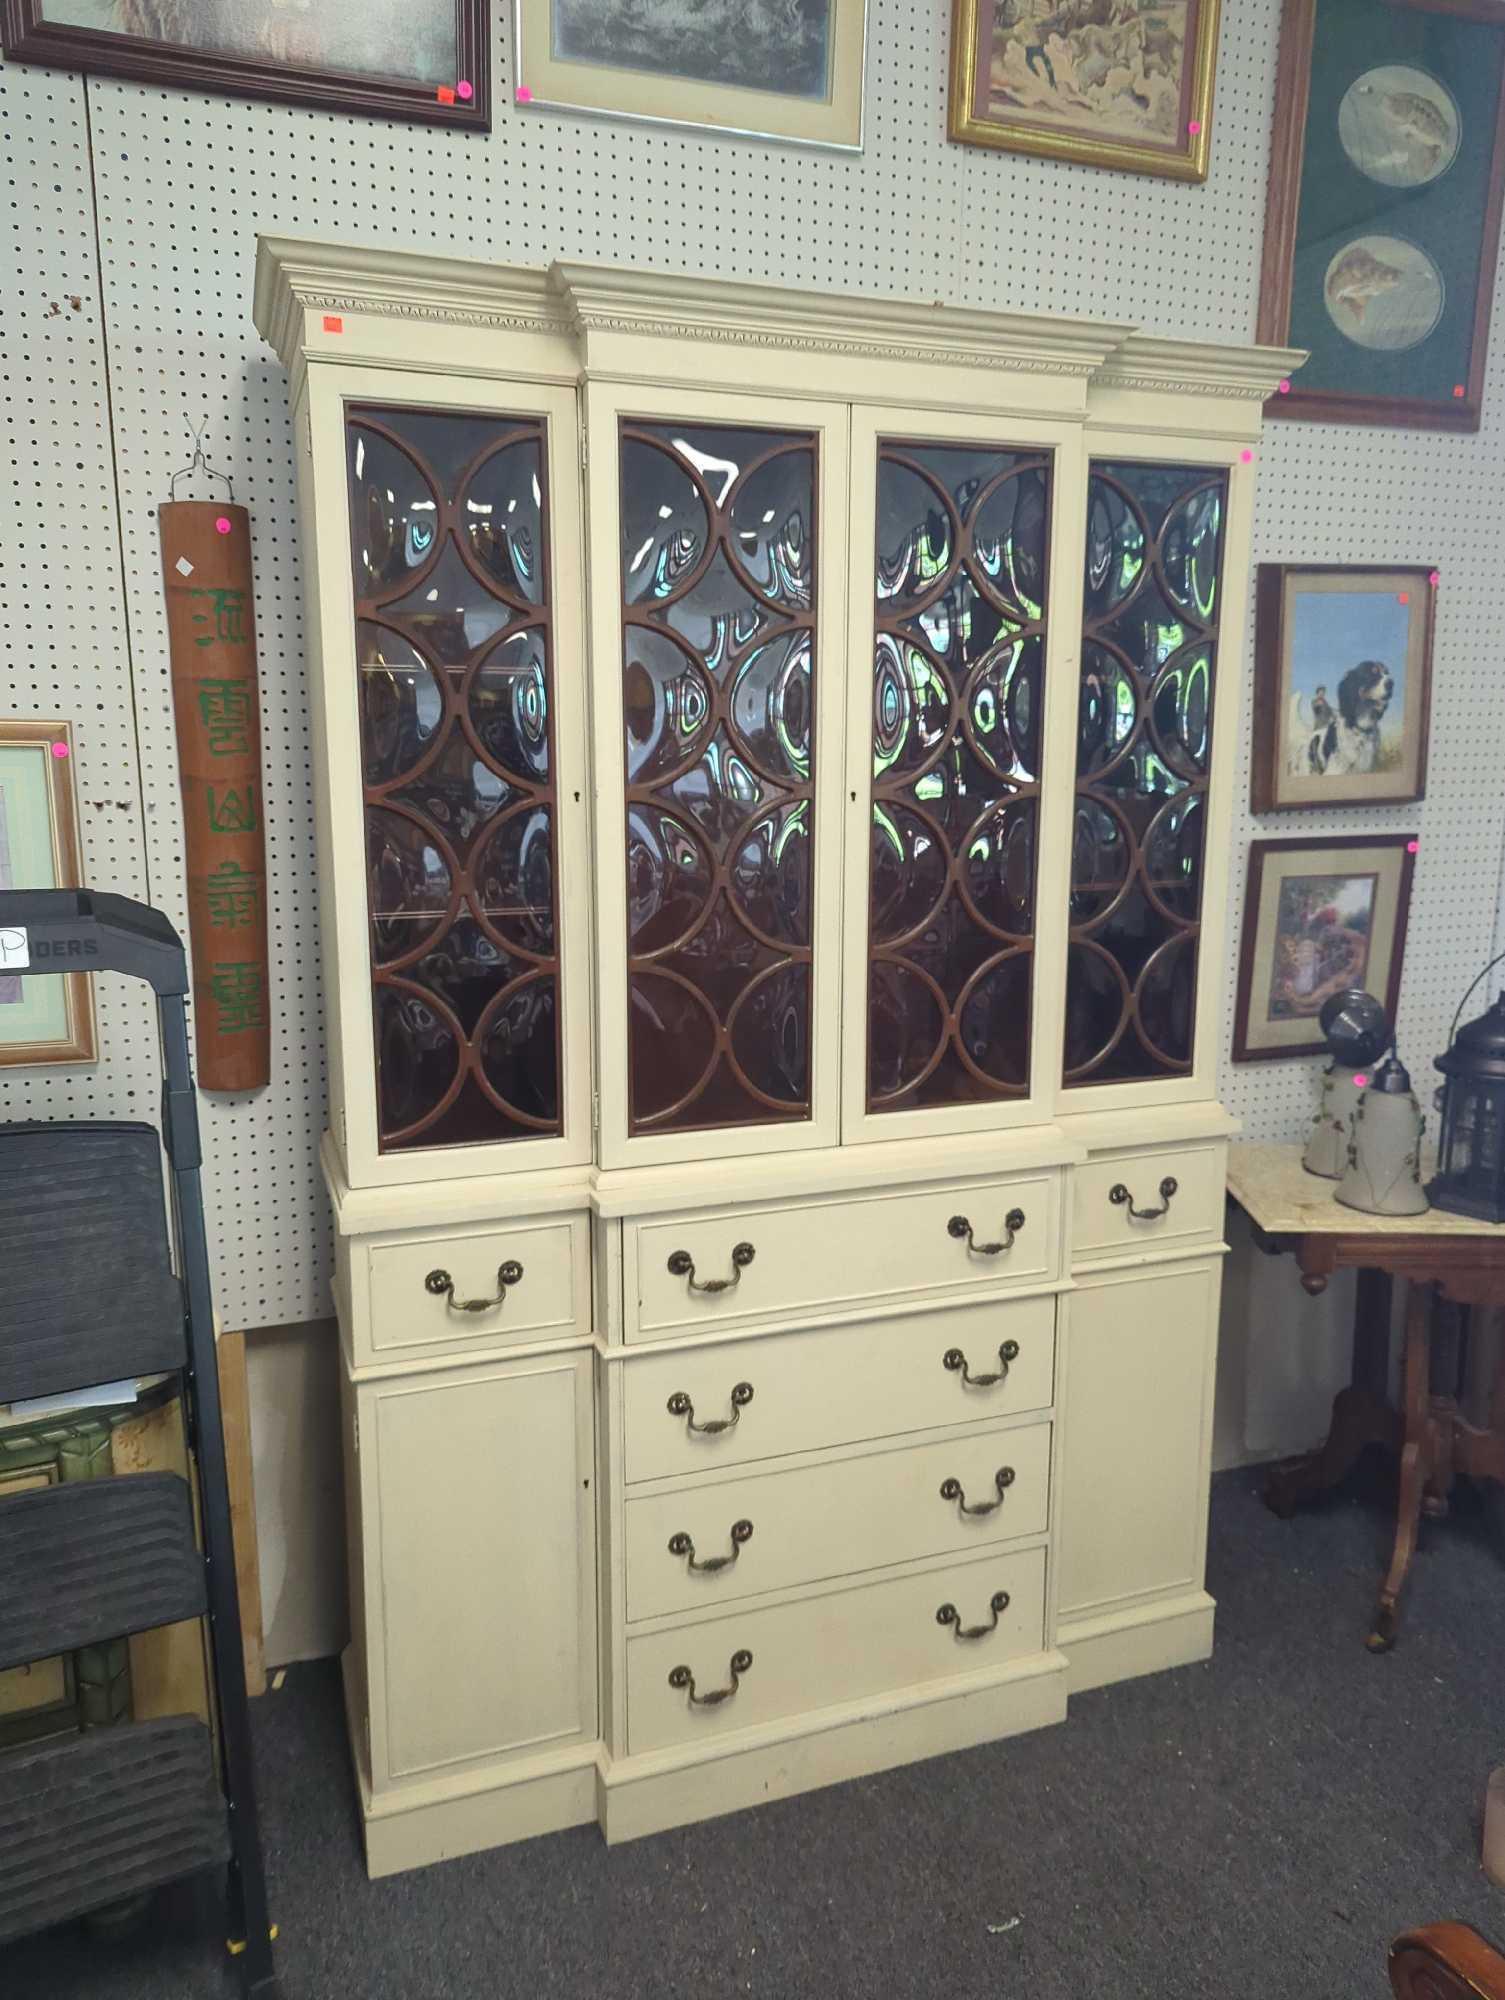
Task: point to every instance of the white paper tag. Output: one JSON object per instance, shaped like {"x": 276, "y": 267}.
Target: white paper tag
{"x": 183, "y": 566}
{"x": 15, "y": 948}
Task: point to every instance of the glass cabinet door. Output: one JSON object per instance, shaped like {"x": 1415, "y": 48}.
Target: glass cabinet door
{"x": 718, "y": 613}
{"x": 1148, "y": 668}
{"x": 958, "y": 593}
{"x": 450, "y": 563}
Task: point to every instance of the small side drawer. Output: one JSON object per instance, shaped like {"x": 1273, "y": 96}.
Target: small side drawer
{"x": 409, "y": 1310}
{"x": 768, "y": 1530}
{"x": 850, "y": 1643}
{"x": 734, "y": 1266}
{"x": 735, "y": 1401}
{"x": 1121, "y": 1201}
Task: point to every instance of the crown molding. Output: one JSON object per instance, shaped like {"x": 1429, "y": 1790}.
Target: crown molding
{"x": 1198, "y": 367}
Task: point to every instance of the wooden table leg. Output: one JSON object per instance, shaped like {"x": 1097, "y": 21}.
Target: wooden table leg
{"x": 1362, "y": 1414}
{"x": 1415, "y": 1463}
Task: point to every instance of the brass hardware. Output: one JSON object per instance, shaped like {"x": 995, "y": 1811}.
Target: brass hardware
{"x": 682, "y": 1265}
{"x": 1118, "y": 1194}
{"x": 1013, "y": 1222}
{"x": 1003, "y": 1479}
{"x": 442, "y": 1285}
{"x": 948, "y": 1615}
{"x": 681, "y": 1677}
{"x": 681, "y": 1545}
{"x": 956, "y": 1361}
{"x": 681, "y": 1406}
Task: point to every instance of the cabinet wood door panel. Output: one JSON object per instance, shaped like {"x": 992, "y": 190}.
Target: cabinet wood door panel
{"x": 1136, "y": 1421}
{"x": 836, "y": 1519}
{"x": 835, "y": 1385}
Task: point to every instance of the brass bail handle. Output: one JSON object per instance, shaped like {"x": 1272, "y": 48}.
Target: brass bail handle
{"x": 682, "y": 1265}
{"x": 1119, "y": 1195}
{"x": 681, "y": 1677}
{"x": 1013, "y": 1222}
{"x": 948, "y": 1614}
{"x": 442, "y": 1285}
{"x": 679, "y": 1405}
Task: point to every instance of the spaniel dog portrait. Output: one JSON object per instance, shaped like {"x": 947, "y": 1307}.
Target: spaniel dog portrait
{"x": 1341, "y": 741}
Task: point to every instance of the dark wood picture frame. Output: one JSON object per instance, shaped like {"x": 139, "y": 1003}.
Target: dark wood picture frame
{"x": 1319, "y": 845}
{"x": 1269, "y": 704}
{"x": 1292, "y": 96}
{"x": 27, "y": 36}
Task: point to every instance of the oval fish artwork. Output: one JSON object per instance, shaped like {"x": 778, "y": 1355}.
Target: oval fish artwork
{"x": 1382, "y": 292}
{"x": 1399, "y": 126}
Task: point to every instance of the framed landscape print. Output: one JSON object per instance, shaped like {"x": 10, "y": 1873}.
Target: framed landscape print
{"x": 780, "y": 69}
{"x": 1342, "y": 684}
{"x": 51, "y": 1019}
{"x": 1127, "y": 85}
{"x": 420, "y": 59}
{"x": 1383, "y": 218}
{"x": 1319, "y": 915}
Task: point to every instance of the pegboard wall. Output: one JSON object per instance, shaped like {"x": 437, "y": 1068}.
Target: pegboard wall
{"x": 144, "y": 205}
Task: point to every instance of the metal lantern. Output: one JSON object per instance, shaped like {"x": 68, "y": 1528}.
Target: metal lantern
{"x": 1470, "y": 1177}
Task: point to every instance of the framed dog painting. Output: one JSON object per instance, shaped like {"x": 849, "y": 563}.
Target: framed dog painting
{"x": 1319, "y": 915}
{"x": 1343, "y": 684}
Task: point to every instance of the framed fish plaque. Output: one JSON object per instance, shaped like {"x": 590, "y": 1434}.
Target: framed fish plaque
{"x": 1383, "y": 217}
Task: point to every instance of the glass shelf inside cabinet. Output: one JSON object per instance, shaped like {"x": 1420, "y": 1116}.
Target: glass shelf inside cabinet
{"x": 958, "y": 692}
{"x": 718, "y": 673}
{"x": 449, "y": 563}
{"x": 1144, "y": 739}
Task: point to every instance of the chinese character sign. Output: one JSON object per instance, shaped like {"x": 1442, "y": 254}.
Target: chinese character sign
{"x": 211, "y": 630}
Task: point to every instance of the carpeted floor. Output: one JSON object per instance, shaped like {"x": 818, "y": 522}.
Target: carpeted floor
{"x": 1253, "y": 1829}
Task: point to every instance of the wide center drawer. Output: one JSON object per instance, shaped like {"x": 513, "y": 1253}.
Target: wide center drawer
{"x": 743, "y": 1265}
{"x": 772, "y": 1528}
{"x": 795, "y": 1392}
{"x": 849, "y": 1643}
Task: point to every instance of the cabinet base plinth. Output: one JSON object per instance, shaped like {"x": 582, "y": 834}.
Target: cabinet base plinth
{"x": 1121, "y": 1644}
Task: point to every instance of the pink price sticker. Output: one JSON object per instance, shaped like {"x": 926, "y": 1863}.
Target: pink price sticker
{"x": 59, "y": 749}
{"x": 1412, "y": 846}
{"x": 334, "y": 322}
{"x": 465, "y": 90}
{"x": 1193, "y": 125}
{"x": 1361, "y": 1081}
{"x": 222, "y": 525}
{"x": 1435, "y": 578}
{"x": 1247, "y": 457}
{"x": 523, "y": 94}
{"x": 1403, "y": 597}
{"x": 1284, "y": 387}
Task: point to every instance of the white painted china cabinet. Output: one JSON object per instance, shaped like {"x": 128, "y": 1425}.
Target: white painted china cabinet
{"x": 773, "y": 759}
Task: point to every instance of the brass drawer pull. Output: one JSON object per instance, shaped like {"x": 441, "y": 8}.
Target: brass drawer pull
{"x": 682, "y": 1265}
{"x": 1013, "y": 1222}
{"x": 1118, "y": 1194}
{"x": 951, "y": 1489}
{"x": 948, "y": 1615}
{"x": 956, "y": 1361}
{"x": 681, "y": 1406}
{"x": 681, "y": 1677}
{"x": 681, "y": 1545}
{"x": 442, "y": 1285}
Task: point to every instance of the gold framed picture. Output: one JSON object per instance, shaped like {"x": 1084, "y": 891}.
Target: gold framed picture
{"x": 792, "y": 71}
{"x": 43, "y": 1019}
{"x": 1125, "y": 85}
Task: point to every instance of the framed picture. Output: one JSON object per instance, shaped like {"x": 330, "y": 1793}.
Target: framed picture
{"x": 1342, "y": 684}
{"x": 1127, "y": 86}
{"x": 1384, "y": 208}
{"x": 51, "y": 1019}
{"x": 1319, "y": 915}
{"x": 789, "y": 70}
{"x": 428, "y": 60}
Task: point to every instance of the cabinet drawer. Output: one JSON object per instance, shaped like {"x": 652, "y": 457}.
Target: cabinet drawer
{"x": 857, "y": 1251}
{"x": 782, "y": 1528}
{"x": 409, "y": 1310}
{"x": 856, "y": 1641}
{"x": 1194, "y": 1210}
{"x": 834, "y": 1385}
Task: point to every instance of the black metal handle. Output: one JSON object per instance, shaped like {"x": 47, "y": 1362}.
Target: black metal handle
{"x": 1118, "y": 1194}
{"x": 681, "y": 1406}
{"x": 949, "y": 1615}
{"x": 681, "y": 1545}
{"x": 681, "y": 1677}
{"x": 441, "y": 1284}
{"x": 1003, "y": 1479}
{"x": 1013, "y": 1222}
{"x": 956, "y": 1361}
{"x": 682, "y": 1265}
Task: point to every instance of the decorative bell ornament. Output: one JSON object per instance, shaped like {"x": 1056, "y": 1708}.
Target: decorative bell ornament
{"x": 1356, "y": 1028}
{"x": 1384, "y": 1152}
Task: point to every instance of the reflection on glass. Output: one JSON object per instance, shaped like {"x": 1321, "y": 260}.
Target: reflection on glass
{"x": 450, "y": 570}
{"x": 1144, "y": 739}
{"x": 958, "y": 684}
{"x": 718, "y": 607}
